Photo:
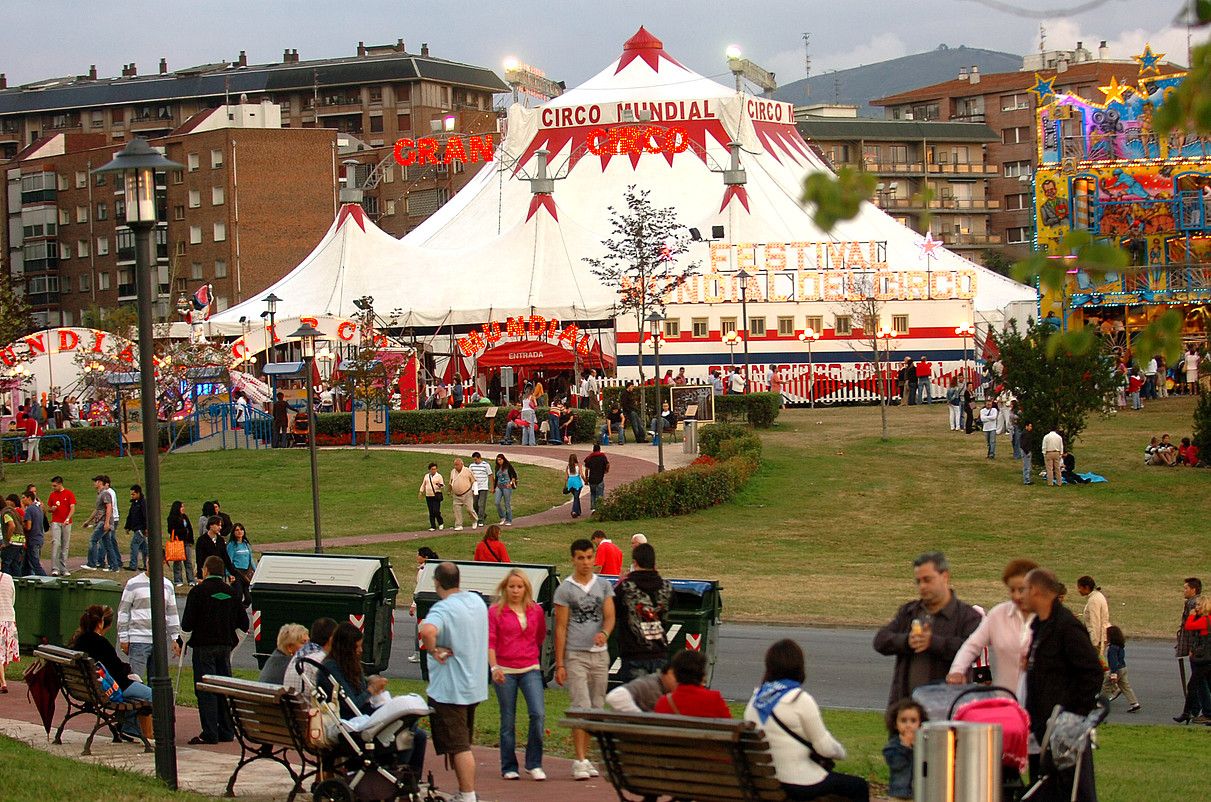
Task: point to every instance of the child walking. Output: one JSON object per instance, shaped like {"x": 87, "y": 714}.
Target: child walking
{"x": 1117, "y": 683}
{"x": 903, "y": 721}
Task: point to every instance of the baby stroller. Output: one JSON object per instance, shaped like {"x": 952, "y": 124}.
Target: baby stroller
{"x": 1064, "y": 743}
{"x": 367, "y": 756}
{"x": 985, "y": 704}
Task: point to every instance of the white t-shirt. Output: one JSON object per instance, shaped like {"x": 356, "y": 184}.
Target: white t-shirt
{"x": 736, "y": 383}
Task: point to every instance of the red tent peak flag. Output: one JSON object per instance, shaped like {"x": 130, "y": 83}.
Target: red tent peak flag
{"x": 643, "y": 45}
{"x": 352, "y": 210}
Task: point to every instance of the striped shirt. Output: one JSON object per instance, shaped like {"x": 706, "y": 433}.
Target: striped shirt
{"x": 482, "y": 471}
{"x": 134, "y": 611}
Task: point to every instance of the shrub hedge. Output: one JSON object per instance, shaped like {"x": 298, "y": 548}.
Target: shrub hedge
{"x": 759, "y": 409}
{"x": 466, "y": 425}
{"x": 731, "y": 454}
{"x": 91, "y": 441}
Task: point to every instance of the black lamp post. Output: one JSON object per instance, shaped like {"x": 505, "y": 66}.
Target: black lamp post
{"x": 271, "y": 302}
{"x": 137, "y": 164}
{"x": 744, "y": 276}
{"x": 655, "y": 321}
{"x": 308, "y": 334}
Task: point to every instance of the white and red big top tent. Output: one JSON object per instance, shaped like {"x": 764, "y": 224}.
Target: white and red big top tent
{"x": 497, "y": 250}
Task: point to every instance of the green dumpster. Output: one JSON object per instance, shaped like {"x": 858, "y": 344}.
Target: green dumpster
{"x": 37, "y": 607}
{"x": 76, "y": 595}
{"x": 694, "y": 616}
{"x": 483, "y": 579}
{"x": 299, "y": 588}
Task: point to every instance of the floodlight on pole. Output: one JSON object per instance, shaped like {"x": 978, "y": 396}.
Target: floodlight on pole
{"x": 743, "y": 275}
{"x": 809, "y": 336}
{"x": 655, "y": 323}
{"x": 308, "y": 334}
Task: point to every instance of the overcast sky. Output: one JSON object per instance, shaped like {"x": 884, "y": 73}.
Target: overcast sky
{"x": 570, "y": 40}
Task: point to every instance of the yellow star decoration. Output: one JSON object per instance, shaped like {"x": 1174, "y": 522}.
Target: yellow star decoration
{"x": 1114, "y": 92}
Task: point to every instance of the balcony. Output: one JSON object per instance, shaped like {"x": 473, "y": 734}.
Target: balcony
{"x": 971, "y": 240}
{"x": 1132, "y": 144}
{"x": 964, "y": 205}
{"x": 127, "y": 292}
{"x": 62, "y": 124}
{"x": 973, "y": 170}
{"x": 893, "y": 168}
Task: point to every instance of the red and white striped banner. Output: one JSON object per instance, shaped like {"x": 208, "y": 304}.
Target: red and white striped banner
{"x": 256, "y": 624}
{"x": 358, "y": 621}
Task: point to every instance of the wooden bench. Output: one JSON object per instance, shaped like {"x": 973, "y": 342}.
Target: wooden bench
{"x": 683, "y": 758}
{"x": 270, "y": 722}
{"x": 81, "y": 688}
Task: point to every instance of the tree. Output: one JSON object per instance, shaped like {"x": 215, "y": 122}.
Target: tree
{"x": 866, "y": 310}
{"x": 1202, "y": 426}
{"x": 641, "y": 261}
{"x": 120, "y": 320}
{"x": 15, "y": 318}
{"x": 363, "y": 375}
{"x": 1058, "y": 379}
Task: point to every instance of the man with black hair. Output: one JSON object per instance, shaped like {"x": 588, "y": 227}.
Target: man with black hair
{"x": 62, "y": 506}
{"x": 454, "y": 635}
{"x": 12, "y": 547}
{"x": 642, "y": 609}
{"x": 630, "y": 408}
{"x": 1096, "y": 614}
{"x": 281, "y": 421}
{"x": 35, "y": 534}
{"x": 690, "y": 698}
{"x": 641, "y": 694}
{"x": 1191, "y": 588}
{"x": 213, "y": 616}
{"x": 596, "y": 466}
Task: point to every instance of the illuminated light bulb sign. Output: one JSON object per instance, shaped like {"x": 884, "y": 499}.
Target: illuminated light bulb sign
{"x": 634, "y": 140}
{"x": 531, "y": 327}
{"x": 425, "y": 150}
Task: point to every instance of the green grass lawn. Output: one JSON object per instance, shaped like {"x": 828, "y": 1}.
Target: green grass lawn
{"x": 826, "y": 531}
{"x": 270, "y": 490}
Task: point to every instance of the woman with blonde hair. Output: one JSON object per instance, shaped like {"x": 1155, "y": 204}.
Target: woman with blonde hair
{"x": 517, "y": 628}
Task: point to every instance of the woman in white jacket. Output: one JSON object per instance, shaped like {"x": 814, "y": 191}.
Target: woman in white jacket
{"x": 1005, "y": 633}
{"x": 791, "y": 721}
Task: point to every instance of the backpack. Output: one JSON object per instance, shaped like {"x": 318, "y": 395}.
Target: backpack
{"x": 644, "y": 613}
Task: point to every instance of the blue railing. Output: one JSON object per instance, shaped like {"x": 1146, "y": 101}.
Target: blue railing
{"x": 220, "y": 420}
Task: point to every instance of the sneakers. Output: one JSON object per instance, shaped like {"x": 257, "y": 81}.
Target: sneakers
{"x": 510, "y": 775}
{"x": 538, "y": 775}
{"x": 508, "y": 523}
{"x": 414, "y": 657}
{"x": 65, "y": 574}
{"x": 89, "y": 567}
{"x": 54, "y": 573}
{"x": 1135, "y": 708}
{"x": 580, "y": 770}
{"x": 1117, "y": 694}
{"x": 592, "y": 769}
{"x": 432, "y": 528}
{"x": 441, "y": 526}
{"x": 458, "y": 529}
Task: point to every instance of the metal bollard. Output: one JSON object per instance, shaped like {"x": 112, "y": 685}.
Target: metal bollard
{"x": 957, "y": 761}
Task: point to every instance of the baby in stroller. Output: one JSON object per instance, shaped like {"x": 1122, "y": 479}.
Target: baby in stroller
{"x": 376, "y": 748}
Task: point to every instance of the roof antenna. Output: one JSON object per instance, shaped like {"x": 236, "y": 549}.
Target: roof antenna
{"x": 1042, "y": 37}
{"x": 807, "y": 64}
{"x": 836, "y": 89}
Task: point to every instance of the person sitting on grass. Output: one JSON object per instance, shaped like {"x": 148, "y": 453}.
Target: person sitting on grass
{"x": 690, "y": 698}
{"x": 1187, "y": 453}
{"x": 1166, "y": 452}
{"x": 1151, "y": 457}
{"x": 903, "y": 720}
{"x": 1069, "y": 474}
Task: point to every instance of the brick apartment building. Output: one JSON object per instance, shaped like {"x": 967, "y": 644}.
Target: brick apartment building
{"x": 909, "y": 157}
{"x": 1005, "y": 102}
{"x": 252, "y": 200}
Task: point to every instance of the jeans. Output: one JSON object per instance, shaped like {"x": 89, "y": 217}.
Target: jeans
{"x": 924, "y": 390}
{"x": 60, "y": 540}
{"x": 33, "y": 559}
{"x": 608, "y": 431}
{"x": 103, "y": 548}
{"x": 1135, "y": 401}
{"x": 596, "y": 492}
{"x": 530, "y": 684}
{"x": 213, "y": 711}
{"x": 510, "y": 427}
{"x": 12, "y": 560}
{"x": 575, "y": 494}
{"x": 636, "y": 424}
{"x": 956, "y": 417}
{"x": 528, "y": 433}
{"x": 481, "y": 505}
{"x": 435, "y": 511}
{"x": 138, "y": 692}
{"x": 504, "y": 503}
{"x": 140, "y": 659}
{"x": 991, "y": 437}
{"x": 138, "y": 545}
{"x": 1015, "y": 439}
{"x": 554, "y": 436}
{"x": 188, "y": 565}
{"x": 634, "y": 668}
{"x": 1026, "y": 458}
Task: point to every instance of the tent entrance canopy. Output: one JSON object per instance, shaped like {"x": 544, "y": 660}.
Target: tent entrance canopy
{"x": 538, "y": 354}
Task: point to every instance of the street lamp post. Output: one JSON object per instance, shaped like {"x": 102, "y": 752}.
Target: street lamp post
{"x": 886, "y": 335}
{"x": 730, "y": 340}
{"x": 137, "y": 164}
{"x": 966, "y": 330}
{"x": 809, "y": 336}
{"x": 308, "y": 334}
{"x": 655, "y": 322}
{"x": 744, "y": 276}
{"x": 271, "y": 303}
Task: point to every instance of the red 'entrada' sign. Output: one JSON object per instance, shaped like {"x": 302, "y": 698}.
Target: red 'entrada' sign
{"x": 425, "y": 150}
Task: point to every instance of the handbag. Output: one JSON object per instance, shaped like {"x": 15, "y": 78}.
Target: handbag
{"x": 826, "y": 763}
{"x": 323, "y": 712}
{"x": 109, "y": 688}
{"x": 174, "y": 550}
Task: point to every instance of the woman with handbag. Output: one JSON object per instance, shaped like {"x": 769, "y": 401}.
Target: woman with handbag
{"x": 239, "y": 551}
{"x": 573, "y": 483}
{"x": 504, "y": 481}
{"x": 491, "y": 549}
{"x": 431, "y": 486}
{"x": 180, "y": 530}
{"x": 801, "y": 746}
{"x": 90, "y": 639}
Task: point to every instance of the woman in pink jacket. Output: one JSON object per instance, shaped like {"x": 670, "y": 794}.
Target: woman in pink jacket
{"x": 517, "y": 628}
{"x": 1004, "y": 632}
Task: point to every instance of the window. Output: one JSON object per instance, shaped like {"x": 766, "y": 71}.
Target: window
{"x": 376, "y": 124}
{"x": 786, "y": 327}
{"x": 195, "y": 198}
{"x": 1017, "y": 235}
{"x": 82, "y": 248}
{"x": 727, "y": 325}
{"x": 102, "y": 281}
{"x": 67, "y": 317}
{"x": 216, "y": 196}
{"x": 99, "y": 180}
{"x": 1018, "y": 100}
{"x": 102, "y": 246}
{"x": 178, "y": 176}
{"x": 701, "y": 327}
{"x": 62, "y": 182}
{"x": 220, "y": 232}
{"x": 216, "y": 159}
{"x": 390, "y": 208}
{"x": 815, "y": 323}
{"x": 179, "y": 248}
{"x": 899, "y": 324}
{"x": 64, "y": 250}
{"x": 64, "y": 217}
{"x": 119, "y": 209}
{"x": 195, "y": 235}
{"x": 191, "y": 161}
{"x": 195, "y": 271}
{"x": 220, "y": 268}
{"x": 843, "y": 325}
{"x": 376, "y": 94}
{"x": 81, "y": 214}
{"x": 178, "y": 212}
{"x": 756, "y": 326}
{"x": 899, "y": 154}
{"x": 1017, "y": 169}
{"x": 1017, "y": 202}
{"x": 102, "y": 211}
{"x": 1015, "y": 136}
{"x": 81, "y": 179}
{"x": 86, "y": 282}
{"x": 672, "y": 329}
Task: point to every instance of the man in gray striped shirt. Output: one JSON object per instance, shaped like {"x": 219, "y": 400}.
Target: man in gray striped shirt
{"x": 483, "y": 474}
{"x": 134, "y": 621}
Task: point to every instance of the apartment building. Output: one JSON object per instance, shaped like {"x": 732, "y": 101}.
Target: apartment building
{"x": 1007, "y": 104}
{"x": 926, "y": 170}
{"x": 250, "y": 202}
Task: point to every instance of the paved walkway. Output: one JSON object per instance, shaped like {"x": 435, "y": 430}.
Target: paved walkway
{"x": 206, "y": 769}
